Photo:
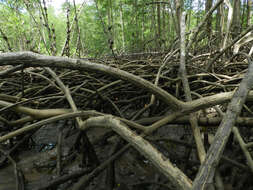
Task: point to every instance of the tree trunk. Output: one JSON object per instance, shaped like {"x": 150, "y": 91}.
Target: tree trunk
{"x": 208, "y": 6}
{"x": 198, "y": 11}
{"x": 218, "y": 20}
{"x": 143, "y": 30}
{"x": 179, "y": 4}
{"x": 159, "y": 25}
{"x": 136, "y": 34}
{"x": 244, "y": 7}
{"x": 220, "y": 24}
{"x": 249, "y": 5}
{"x": 236, "y": 18}
{"x": 153, "y": 23}
{"x": 110, "y": 25}
{"x": 164, "y": 25}
{"x": 189, "y": 18}
{"x": 172, "y": 17}
{"x": 122, "y": 27}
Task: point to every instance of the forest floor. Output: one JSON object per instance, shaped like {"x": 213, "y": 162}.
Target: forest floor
{"x": 36, "y": 157}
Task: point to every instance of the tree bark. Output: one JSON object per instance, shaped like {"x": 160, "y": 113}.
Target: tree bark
{"x": 249, "y": 5}
{"x": 236, "y": 26}
{"x": 208, "y": 6}
{"x": 159, "y": 24}
{"x": 175, "y": 175}
{"x": 178, "y": 4}
{"x": 122, "y": 27}
{"x": 216, "y": 149}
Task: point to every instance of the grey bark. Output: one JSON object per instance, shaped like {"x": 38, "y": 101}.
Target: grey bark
{"x": 221, "y": 137}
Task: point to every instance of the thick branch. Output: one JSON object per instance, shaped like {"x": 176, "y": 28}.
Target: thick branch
{"x": 214, "y": 153}
{"x": 30, "y": 59}
{"x": 35, "y": 113}
{"x": 187, "y": 91}
{"x": 176, "y": 176}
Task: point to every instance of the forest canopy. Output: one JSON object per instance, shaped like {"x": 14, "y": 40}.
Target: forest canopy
{"x": 132, "y": 26}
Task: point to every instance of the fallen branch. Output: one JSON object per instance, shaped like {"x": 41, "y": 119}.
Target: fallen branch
{"x": 175, "y": 175}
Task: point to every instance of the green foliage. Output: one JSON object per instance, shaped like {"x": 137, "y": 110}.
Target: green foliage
{"x": 133, "y": 29}
{"x": 14, "y": 24}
